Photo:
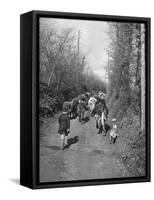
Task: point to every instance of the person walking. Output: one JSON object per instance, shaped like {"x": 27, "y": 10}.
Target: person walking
{"x": 64, "y": 128}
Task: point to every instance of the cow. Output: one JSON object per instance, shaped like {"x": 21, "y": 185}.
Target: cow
{"x": 74, "y": 112}
{"x": 71, "y": 106}
{"x": 81, "y": 108}
{"x": 91, "y": 103}
{"x": 104, "y": 119}
{"x": 101, "y": 95}
{"x": 67, "y": 105}
{"x": 100, "y": 112}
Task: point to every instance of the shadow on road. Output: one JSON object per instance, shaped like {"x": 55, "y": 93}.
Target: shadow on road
{"x": 86, "y": 119}
{"x": 72, "y": 141}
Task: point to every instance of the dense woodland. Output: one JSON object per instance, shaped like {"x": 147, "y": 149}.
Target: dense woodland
{"x": 65, "y": 73}
{"x": 126, "y": 90}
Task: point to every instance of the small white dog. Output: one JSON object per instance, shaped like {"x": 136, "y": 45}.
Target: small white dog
{"x": 113, "y": 132}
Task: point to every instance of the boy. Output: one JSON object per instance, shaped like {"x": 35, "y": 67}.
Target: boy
{"x": 113, "y": 132}
{"x": 64, "y": 127}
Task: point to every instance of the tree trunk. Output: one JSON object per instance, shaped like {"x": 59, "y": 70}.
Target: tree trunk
{"x": 142, "y": 78}
{"x": 49, "y": 80}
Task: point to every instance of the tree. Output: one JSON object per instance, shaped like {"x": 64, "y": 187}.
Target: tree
{"x": 127, "y": 66}
{"x": 62, "y": 67}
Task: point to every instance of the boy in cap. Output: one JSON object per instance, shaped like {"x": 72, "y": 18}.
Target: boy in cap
{"x": 64, "y": 127}
{"x": 113, "y": 132}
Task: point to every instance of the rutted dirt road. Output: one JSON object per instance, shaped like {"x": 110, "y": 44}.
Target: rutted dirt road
{"x": 89, "y": 156}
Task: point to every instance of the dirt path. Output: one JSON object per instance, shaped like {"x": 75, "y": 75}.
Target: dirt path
{"x": 89, "y": 156}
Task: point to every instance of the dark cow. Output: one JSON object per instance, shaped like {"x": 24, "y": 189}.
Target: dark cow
{"x": 67, "y": 105}
{"x": 71, "y": 106}
{"x": 81, "y": 109}
{"x": 74, "y": 107}
{"x": 101, "y": 113}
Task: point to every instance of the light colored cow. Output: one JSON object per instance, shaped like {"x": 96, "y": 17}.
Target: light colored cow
{"x": 91, "y": 103}
{"x": 101, "y": 95}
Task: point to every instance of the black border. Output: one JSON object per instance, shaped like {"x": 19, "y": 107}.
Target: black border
{"x": 35, "y": 98}
{"x": 25, "y": 100}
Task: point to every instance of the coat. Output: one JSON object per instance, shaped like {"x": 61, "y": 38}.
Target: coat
{"x": 64, "y": 123}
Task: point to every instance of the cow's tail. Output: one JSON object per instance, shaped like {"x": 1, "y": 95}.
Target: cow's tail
{"x": 103, "y": 121}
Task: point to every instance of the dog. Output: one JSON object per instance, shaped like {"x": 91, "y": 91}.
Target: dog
{"x": 113, "y": 132}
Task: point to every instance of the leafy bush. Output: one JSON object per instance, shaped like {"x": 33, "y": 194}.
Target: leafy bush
{"x": 131, "y": 140}
{"x": 49, "y": 102}
{"x": 132, "y": 143}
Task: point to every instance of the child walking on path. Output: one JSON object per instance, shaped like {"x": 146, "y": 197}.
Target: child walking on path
{"x": 64, "y": 127}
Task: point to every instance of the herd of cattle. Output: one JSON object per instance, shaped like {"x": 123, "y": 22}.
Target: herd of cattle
{"x": 86, "y": 105}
